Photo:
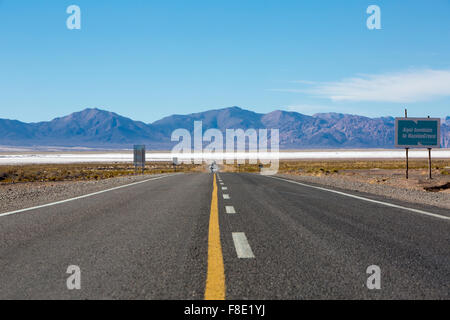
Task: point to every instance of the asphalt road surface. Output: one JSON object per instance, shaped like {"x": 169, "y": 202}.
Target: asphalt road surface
{"x": 236, "y": 236}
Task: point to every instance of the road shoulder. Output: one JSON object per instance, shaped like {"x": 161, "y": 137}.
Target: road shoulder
{"x": 436, "y": 199}
{"x": 24, "y": 195}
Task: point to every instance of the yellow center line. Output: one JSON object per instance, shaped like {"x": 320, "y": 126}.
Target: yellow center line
{"x": 215, "y": 279}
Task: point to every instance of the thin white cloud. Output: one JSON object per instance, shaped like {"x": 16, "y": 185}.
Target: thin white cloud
{"x": 304, "y": 82}
{"x": 402, "y": 87}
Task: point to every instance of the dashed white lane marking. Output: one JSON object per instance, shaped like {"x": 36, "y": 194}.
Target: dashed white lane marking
{"x": 243, "y": 249}
{"x": 226, "y": 196}
{"x": 230, "y": 210}
{"x": 368, "y": 200}
{"x": 224, "y": 188}
{"x": 85, "y": 196}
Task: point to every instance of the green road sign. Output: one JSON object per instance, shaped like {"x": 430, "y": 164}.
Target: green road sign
{"x": 417, "y": 133}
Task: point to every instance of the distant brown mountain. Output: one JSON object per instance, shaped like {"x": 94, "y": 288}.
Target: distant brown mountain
{"x": 102, "y": 129}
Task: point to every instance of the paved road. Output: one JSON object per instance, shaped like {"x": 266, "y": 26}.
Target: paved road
{"x": 278, "y": 240}
{"x": 313, "y": 244}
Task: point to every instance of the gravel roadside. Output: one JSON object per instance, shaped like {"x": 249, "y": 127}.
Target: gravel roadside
{"x": 25, "y": 195}
{"x": 437, "y": 199}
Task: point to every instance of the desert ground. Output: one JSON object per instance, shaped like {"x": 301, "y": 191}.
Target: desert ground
{"x": 13, "y": 174}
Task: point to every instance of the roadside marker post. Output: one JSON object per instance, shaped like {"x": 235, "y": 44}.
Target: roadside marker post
{"x": 417, "y": 133}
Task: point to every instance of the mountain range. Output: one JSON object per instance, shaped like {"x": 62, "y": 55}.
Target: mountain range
{"x": 95, "y": 128}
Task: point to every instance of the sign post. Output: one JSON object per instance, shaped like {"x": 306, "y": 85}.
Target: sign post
{"x": 429, "y": 163}
{"x": 407, "y": 152}
{"x": 418, "y": 133}
{"x": 139, "y": 157}
{"x": 429, "y": 160}
{"x": 175, "y": 163}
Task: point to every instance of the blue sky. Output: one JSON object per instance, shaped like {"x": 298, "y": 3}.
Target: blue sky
{"x": 149, "y": 59}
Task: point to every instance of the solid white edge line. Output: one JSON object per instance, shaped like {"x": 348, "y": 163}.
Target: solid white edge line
{"x": 243, "y": 249}
{"x": 230, "y": 209}
{"x": 83, "y": 196}
{"x": 367, "y": 199}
